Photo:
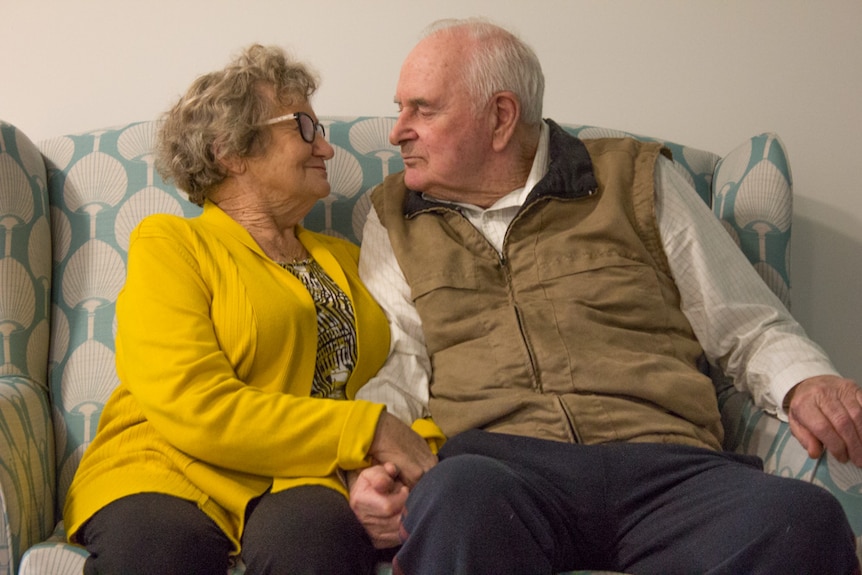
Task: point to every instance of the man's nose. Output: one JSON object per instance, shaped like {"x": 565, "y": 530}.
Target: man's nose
{"x": 399, "y": 131}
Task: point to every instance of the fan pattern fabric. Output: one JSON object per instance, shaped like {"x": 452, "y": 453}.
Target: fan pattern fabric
{"x": 67, "y": 207}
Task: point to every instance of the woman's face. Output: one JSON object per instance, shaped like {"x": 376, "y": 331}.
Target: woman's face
{"x": 290, "y": 174}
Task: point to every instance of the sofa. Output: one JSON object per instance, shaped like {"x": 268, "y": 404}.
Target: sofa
{"x": 68, "y": 203}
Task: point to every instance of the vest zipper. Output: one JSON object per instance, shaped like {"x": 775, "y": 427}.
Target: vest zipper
{"x": 536, "y": 383}
{"x": 570, "y": 420}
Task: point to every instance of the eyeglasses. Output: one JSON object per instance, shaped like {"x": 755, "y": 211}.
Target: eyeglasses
{"x": 308, "y": 128}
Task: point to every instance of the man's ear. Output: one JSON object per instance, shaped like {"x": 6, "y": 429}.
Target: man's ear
{"x": 506, "y": 112}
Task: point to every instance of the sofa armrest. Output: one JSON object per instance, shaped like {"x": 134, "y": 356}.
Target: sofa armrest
{"x": 752, "y": 431}
{"x": 26, "y": 468}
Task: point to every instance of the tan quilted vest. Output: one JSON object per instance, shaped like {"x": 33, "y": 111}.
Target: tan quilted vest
{"x": 575, "y": 334}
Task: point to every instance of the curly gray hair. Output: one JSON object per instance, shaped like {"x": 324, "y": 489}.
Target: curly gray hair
{"x": 220, "y": 114}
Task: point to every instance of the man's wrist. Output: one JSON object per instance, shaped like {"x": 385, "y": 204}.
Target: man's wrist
{"x": 788, "y": 397}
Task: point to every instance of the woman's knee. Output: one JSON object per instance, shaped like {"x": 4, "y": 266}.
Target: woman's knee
{"x": 308, "y": 529}
{"x": 154, "y": 533}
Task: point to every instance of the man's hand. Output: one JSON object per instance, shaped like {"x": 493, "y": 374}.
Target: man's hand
{"x": 826, "y": 411}
{"x": 377, "y": 498}
{"x": 378, "y": 493}
{"x": 394, "y": 442}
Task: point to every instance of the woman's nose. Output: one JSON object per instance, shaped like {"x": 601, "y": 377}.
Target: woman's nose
{"x": 322, "y": 147}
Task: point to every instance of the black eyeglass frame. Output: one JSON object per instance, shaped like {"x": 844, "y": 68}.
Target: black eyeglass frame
{"x": 308, "y": 128}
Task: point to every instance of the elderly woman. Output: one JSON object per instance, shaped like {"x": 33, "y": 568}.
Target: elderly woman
{"x": 242, "y": 339}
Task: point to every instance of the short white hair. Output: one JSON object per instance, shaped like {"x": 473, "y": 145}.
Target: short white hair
{"x": 501, "y": 62}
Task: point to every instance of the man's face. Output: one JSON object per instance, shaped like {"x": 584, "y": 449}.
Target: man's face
{"x": 443, "y": 142}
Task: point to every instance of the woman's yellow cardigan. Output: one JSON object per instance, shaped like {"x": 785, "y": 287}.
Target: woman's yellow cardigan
{"x": 216, "y": 347}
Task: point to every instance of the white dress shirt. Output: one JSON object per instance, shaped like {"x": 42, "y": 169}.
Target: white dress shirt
{"x": 741, "y": 325}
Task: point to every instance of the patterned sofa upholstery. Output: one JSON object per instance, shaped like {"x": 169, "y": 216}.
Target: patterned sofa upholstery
{"x": 67, "y": 206}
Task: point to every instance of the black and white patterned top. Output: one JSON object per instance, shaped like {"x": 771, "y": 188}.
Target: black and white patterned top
{"x": 336, "y": 329}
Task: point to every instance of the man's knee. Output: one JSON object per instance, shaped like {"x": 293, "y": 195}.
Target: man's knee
{"x": 810, "y": 508}
{"x": 462, "y": 482}
{"x": 823, "y": 517}
{"x": 811, "y": 530}
{"x": 470, "y": 491}
{"x": 475, "y": 514}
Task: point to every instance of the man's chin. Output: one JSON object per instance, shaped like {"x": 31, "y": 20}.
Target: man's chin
{"x": 413, "y": 180}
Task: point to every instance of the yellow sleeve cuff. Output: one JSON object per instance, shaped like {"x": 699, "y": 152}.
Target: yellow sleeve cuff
{"x": 357, "y": 434}
{"x": 431, "y": 432}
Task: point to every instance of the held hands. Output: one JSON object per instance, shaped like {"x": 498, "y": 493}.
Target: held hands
{"x": 826, "y": 412}
{"x": 378, "y": 493}
{"x": 394, "y": 442}
{"x": 377, "y": 499}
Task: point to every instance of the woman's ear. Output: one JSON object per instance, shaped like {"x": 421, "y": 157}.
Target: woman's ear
{"x": 507, "y": 113}
{"x": 233, "y": 164}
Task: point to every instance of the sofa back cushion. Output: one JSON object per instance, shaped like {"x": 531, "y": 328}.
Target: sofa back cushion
{"x": 102, "y": 183}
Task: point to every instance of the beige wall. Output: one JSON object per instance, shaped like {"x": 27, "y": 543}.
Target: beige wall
{"x": 708, "y": 73}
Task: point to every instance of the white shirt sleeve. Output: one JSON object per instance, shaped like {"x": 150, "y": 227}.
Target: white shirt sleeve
{"x": 741, "y": 325}
{"x": 404, "y": 380}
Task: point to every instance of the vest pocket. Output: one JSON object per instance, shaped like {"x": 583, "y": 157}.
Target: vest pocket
{"x": 611, "y": 290}
{"x": 550, "y": 268}
{"x": 444, "y": 279}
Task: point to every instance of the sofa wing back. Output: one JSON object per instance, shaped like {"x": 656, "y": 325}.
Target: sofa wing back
{"x": 26, "y": 440}
{"x": 750, "y": 192}
{"x": 100, "y": 185}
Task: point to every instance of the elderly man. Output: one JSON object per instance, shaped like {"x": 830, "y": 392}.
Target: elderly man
{"x": 550, "y": 301}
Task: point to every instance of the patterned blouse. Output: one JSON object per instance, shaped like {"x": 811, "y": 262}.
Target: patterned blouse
{"x": 336, "y": 329}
